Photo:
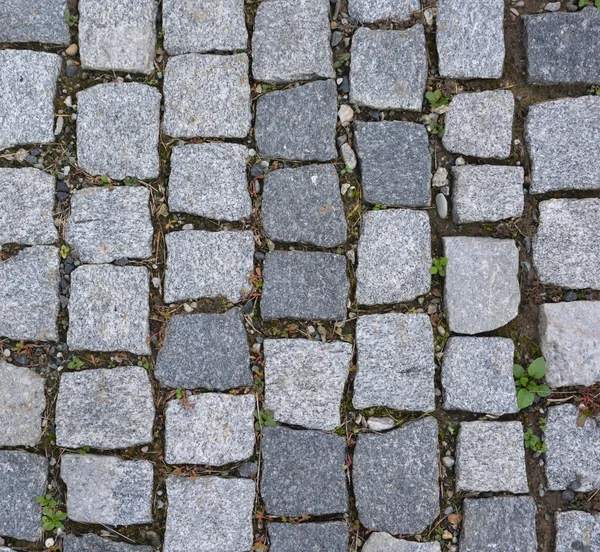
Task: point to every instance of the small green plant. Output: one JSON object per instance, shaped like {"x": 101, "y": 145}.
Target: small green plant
{"x": 438, "y": 266}
{"x": 75, "y": 363}
{"x": 83, "y": 450}
{"x": 64, "y": 251}
{"x": 436, "y": 129}
{"x": 264, "y": 418}
{"x": 70, "y": 20}
{"x": 143, "y": 362}
{"x": 436, "y": 99}
{"x": 346, "y": 170}
{"x": 51, "y": 516}
{"x": 379, "y": 207}
{"x": 527, "y": 382}
{"x": 104, "y": 179}
{"x": 131, "y": 181}
{"x": 179, "y": 393}
{"x": 583, "y": 3}
{"x": 533, "y": 442}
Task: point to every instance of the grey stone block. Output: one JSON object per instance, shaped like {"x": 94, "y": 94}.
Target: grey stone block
{"x": 208, "y": 264}
{"x": 566, "y": 250}
{"x": 207, "y": 96}
{"x": 213, "y": 26}
{"x": 209, "y": 180}
{"x": 23, "y": 479}
{"x": 570, "y": 342}
{"x": 577, "y": 531}
{"x": 29, "y": 295}
{"x": 298, "y": 123}
{"x": 304, "y": 205}
{"x": 26, "y": 205}
{"x": 27, "y": 89}
{"x": 304, "y": 381}
{"x": 573, "y": 452}
{"x": 117, "y": 35}
{"x": 291, "y": 42}
{"x": 388, "y": 69}
{"x": 367, "y": 11}
{"x": 108, "y": 224}
{"x": 109, "y": 309}
{"x": 482, "y": 283}
{"x": 320, "y": 537}
{"x": 553, "y": 46}
{"x": 107, "y": 490}
{"x": 395, "y": 478}
{"x": 117, "y": 130}
{"x": 554, "y": 132}
{"x": 305, "y": 285}
{"x": 303, "y": 472}
{"x": 395, "y": 163}
{"x": 212, "y": 429}
{"x": 34, "y": 21}
{"x": 480, "y": 124}
{"x": 208, "y": 514}
{"x": 384, "y": 542}
{"x": 394, "y": 257}
{"x": 396, "y": 367}
{"x": 470, "y": 39}
{"x": 490, "y": 457}
{"x": 487, "y": 193}
{"x": 502, "y": 524}
{"x": 22, "y": 402}
{"x": 93, "y": 543}
{"x": 105, "y": 409}
{"x": 477, "y": 375}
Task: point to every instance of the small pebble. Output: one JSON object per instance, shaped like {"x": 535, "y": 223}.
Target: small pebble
{"x": 440, "y": 178}
{"x": 72, "y": 50}
{"x": 345, "y": 114}
{"x": 380, "y": 424}
{"x": 552, "y": 6}
{"x": 187, "y": 227}
{"x": 187, "y": 308}
{"x": 448, "y": 461}
{"x": 59, "y": 126}
{"x": 568, "y": 495}
{"x": 428, "y": 14}
{"x": 441, "y": 204}
{"x": 348, "y": 156}
{"x": 460, "y": 161}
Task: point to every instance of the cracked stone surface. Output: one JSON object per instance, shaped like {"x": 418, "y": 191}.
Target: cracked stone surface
{"x": 304, "y": 381}
{"x": 34, "y": 21}
{"x": 93, "y": 543}
{"x": 577, "y": 531}
{"x": 322, "y": 537}
{"x": 367, "y": 11}
{"x": 384, "y": 542}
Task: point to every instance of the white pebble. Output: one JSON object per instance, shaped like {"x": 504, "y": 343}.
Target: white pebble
{"x": 552, "y": 6}
{"x": 346, "y": 114}
{"x": 59, "y": 126}
{"x": 441, "y": 204}
{"x": 348, "y": 156}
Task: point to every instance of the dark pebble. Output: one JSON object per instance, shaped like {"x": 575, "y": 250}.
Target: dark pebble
{"x": 574, "y": 485}
{"x": 248, "y": 469}
{"x": 64, "y": 301}
{"x": 20, "y": 359}
{"x": 63, "y": 186}
{"x": 62, "y": 195}
{"x": 31, "y": 159}
{"x": 260, "y": 255}
{"x": 345, "y": 86}
{"x": 570, "y": 296}
{"x": 71, "y": 70}
{"x": 122, "y": 261}
{"x": 527, "y": 242}
{"x": 248, "y": 307}
{"x": 568, "y": 495}
{"x": 375, "y": 115}
{"x": 35, "y": 151}
{"x": 336, "y": 38}
{"x": 69, "y": 268}
{"x": 63, "y": 285}
{"x": 257, "y": 170}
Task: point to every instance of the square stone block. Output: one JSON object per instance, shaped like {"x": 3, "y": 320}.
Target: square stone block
{"x": 577, "y": 531}
{"x": 298, "y": 123}
{"x": 396, "y": 367}
{"x": 27, "y": 88}
{"x": 209, "y": 180}
{"x": 34, "y": 21}
{"x": 394, "y": 257}
{"x": 208, "y": 264}
{"x": 29, "y": 295}
{"x": 367, "y": 11}
{"x": 207, "y": 96}
{"x": 330, "y": 536}
{"x": 304, "y": 205}
{"x": 109, "y": 224}
{"x": 94, "y": 543}
{"x": 388, "y": 69}
{"x": 305, "y": 285}
{"x": 303, "y": 472}
{"x": 117, "y": 130}
{"x": 384, "y": 542}
{"x": 109, "y": 309}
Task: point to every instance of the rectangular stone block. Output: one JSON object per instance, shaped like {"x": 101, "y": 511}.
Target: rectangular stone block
{"x": 323, "y": 537}
{"x": 577, "y": 530}
{"x": 93, "y": 543}
{"x": 34, "y": 21}
{"x": 367, "y": 11}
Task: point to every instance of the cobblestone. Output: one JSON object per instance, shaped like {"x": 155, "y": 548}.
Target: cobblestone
{"x": 34, "y": 21}
{"x": 577, "y": 530}
{"x": 322, "y": 537}
{"x": 365, "y": 11}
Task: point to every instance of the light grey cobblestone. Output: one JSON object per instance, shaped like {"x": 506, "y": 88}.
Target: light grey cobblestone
{"x": 34, "y": 21}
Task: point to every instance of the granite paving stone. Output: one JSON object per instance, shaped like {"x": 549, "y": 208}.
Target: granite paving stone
{"x": 303, "y": 472}
{"x": 501, "y": 524}
{"x": 22, "y": 402}
{"x": 207, "y": 96}
{"x": 394, "y": 257}
{"x": 26, "y": 205}
{"x": 117, "y": 130}
{"x": 105, "y": 409}
{"x": 298, "y": 123}
{"x": 94, "y": 543}
{"x": 396, "y": 366}
{"x": 110, "y": 223}
{"x": 384, "y": 542}
{"x": 208, "y": 264}
{"x": 209, "y": 180}
{"x": 554, "y": 133}
{"x": 470, "y": 39}
{"x": 481, "y": 285}
{"x": 570, "y": 342}
{"x": 305, "y": 285}
{"x": 553, "y": 47}
{"x": 368, "y": 11}
{"x": 34, "y": 21}
{"x": 117, "y": 35}
{"x": 487, "y": 193}
{"x": 304, "y": 381}
{"x": 29, "y": 302}
{"x": 577, "y": 531}
{"x": 480, "y": 124}
{"x": 23, "y": 479}
{"x": 121, "y": 489}
{"x": 395, "y": 478}
{"x": 212, "y": 429}
{"x": 109, "y": 309}
{"x": 395, "y": 163}
{"x": 291, "y": 42}
{"x": 304, "y": 205}
{"x": 388, "y": 69}
{"x": 573, "y": 455}
{"x": 477, "y": 375}
{"x": 566, "y": 249}
{"x": 490, "y": 457}
{"x": 27, "y": 88}
{"x": 320, "y": 537}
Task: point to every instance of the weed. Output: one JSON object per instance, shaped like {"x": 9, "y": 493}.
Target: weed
{"x": 533, "y": 442}
{"x": 51, "y": 516}
{"x": 131, "y": 181}
{"x": 379, "y": 207}
{"x": 83, "y": 450}
{"x": 436, "y": 129}
{"x": 526, "y": 382}
{"x": 436, "y": 99}
{"x": 583, "y": 3}
{"x": 75, "y": 363}
{"x": 70, "y": 20}
{"x": 64, "y": 251}
{"x": 346, "y": 170}
{"x": 438, "y": 266}
{"x": 264, "y": 418}
{"x": 143, "y": 362}
{"x": 179, "y": 393}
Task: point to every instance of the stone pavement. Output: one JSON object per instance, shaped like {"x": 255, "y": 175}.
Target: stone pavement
{"x": 266, "y": 267}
